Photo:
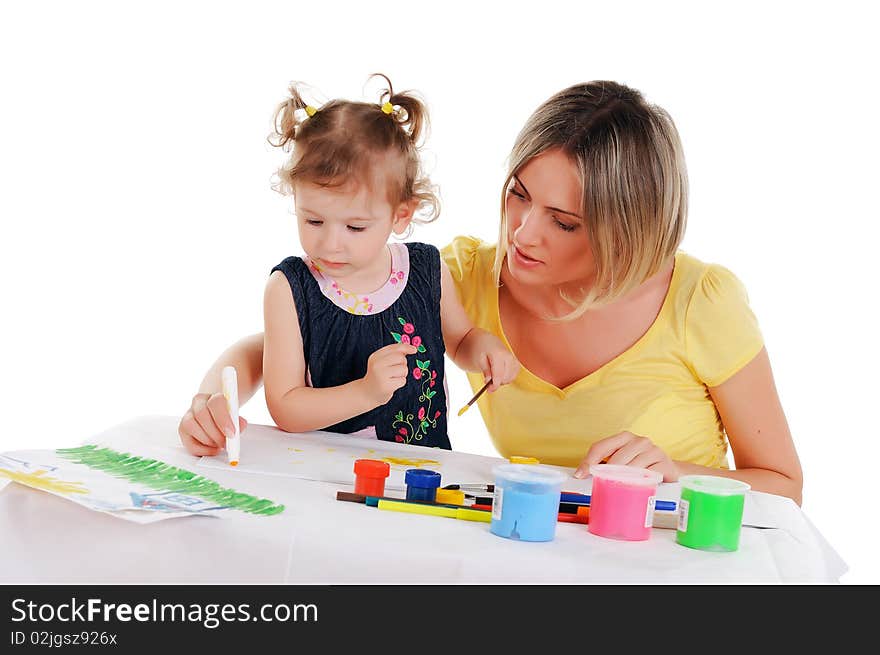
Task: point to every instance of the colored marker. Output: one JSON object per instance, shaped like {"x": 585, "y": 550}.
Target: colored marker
{"x": 456, "y": 512}
{"x": 584, "y": 499}
{"x": 373, "y": 501}
{"x": 468, "y": 514}
{"x": 229, "y": 380}
{"x": 566, "y": 497}
{"x": 571, "y": 508}
{"x": 582, "y": 515}
{"x": 472, "y": 487}
{"x": 479, "y": 500}
{"x": 350, "y": 497}
{"x": 568, "y": 512}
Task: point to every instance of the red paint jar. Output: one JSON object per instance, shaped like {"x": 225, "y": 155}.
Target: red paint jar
{"x": 369, "y": 476}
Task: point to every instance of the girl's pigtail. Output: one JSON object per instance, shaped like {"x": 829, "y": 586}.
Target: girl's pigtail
{"x": 406, "y": 109}
{"x": 287, "y": 123}
{"x": 411, "y": 114}
{"x": 289, "y": 115}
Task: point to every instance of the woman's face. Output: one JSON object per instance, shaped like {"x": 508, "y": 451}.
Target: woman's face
{"x": 546, "y": 237}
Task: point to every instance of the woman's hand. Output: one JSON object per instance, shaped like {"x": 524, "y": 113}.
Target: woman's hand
{"x": 206, "y": 424}
{"x": 629, "y": 449}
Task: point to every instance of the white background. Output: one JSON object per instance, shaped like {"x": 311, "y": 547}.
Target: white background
{"x": 139, "y": 226}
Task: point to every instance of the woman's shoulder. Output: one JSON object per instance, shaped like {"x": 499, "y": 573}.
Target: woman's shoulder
{"x": 721, "y": 332}
{"x": 469, "y": 257}
{"x": 699, "y": 281}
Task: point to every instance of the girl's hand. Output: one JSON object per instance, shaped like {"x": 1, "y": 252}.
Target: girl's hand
{"x": 387, "y": 371}
{"x": 499, "y": 364}
{"x": 204, "y": 427}
{"x": 629, "y": 449}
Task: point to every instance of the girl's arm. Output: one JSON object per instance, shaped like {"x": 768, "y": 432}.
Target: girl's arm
{"x": 206, "y": 423}
{"x": 296, "y": 407}
{"x": 246, "y": 355}
{"x": 471, "y": 348}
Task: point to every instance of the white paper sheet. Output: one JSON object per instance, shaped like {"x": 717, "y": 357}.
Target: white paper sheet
{"x": 100, "y": 491}
{"x": 330, "y": 457}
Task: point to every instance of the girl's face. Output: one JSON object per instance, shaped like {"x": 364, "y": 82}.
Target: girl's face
{"x": 344, "y": 229}
{"x": 546, "y": 237}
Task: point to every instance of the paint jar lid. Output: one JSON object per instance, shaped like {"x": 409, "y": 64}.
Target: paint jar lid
{"x": 626, "y": 474}
{"x": 714, "y": 484}
{"x": 372, "y": 468}
{"x": 450, "y": 496}
{"x": 532, "y": 475}
{"x": 422, "y": 478}
{"x": 522, "y": 459}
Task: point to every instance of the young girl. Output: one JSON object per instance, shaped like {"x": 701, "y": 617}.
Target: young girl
{"x": 356, "y": 330}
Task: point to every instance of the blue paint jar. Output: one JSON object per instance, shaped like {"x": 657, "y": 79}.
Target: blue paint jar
{"x": 526, "y": 502}
{"x": 422, "y": 484}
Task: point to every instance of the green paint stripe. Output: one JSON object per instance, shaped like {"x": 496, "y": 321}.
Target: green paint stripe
{"x": 164, "y": 477}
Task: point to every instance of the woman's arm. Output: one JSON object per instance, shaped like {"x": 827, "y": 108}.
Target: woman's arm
{"x": 752, "y": 415}
{"x": 749, "y": 407}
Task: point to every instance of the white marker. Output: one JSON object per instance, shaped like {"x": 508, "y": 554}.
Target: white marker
{"x": 230, "y": 392}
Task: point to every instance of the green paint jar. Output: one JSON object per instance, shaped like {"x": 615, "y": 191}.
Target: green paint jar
{"x": 710, "y": 512}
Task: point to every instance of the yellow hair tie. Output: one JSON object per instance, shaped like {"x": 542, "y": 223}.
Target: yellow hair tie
{"x": 311, "y": 111}
{"x": 387, "y": 107}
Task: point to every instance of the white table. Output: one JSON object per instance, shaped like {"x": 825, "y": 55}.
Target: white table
{"x": 319, "y": 540}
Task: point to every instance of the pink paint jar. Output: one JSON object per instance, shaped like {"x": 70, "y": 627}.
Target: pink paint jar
{"x": 622, "y": 501}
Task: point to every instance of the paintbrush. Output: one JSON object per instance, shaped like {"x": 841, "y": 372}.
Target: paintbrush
{"x": 474, "y": 399}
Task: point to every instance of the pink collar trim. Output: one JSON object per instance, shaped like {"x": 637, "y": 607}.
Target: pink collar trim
{"x": 367, "y": 303}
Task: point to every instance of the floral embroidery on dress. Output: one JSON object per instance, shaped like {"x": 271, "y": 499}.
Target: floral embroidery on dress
{"x": 414, "y": 427}
{"x": 396, "y": 276}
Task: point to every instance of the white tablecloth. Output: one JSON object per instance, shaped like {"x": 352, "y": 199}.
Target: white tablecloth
{"x": 319, "y": 540}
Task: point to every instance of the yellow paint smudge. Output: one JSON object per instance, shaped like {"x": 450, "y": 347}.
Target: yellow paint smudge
{"x": 404, "y": 461}
{"x": 39, "y": 480}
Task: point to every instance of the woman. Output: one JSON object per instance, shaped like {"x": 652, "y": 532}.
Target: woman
{"x": 632, "y": 351}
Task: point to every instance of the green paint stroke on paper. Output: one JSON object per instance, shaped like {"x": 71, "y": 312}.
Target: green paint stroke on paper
{"x": 164, "y": 477}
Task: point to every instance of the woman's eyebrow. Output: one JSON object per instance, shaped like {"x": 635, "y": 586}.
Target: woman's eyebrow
{"x": 553, "y": 209}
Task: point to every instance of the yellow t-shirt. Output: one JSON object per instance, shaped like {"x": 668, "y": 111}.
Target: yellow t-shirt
{"x": 703, "y": 334}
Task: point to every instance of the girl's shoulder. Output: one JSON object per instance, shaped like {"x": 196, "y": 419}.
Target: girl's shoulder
{"x": 418, "y": 250}
{"x": 292, "y": 264}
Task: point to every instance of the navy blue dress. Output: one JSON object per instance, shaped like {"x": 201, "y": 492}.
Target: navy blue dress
{"x": 338, "y": 341}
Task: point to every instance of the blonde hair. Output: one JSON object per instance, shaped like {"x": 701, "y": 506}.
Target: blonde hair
{"x": 346, "y": 141}
{"x": 630, "y": 163}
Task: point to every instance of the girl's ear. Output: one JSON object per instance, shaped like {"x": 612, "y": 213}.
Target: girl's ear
{"x": 403, "y": 215}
